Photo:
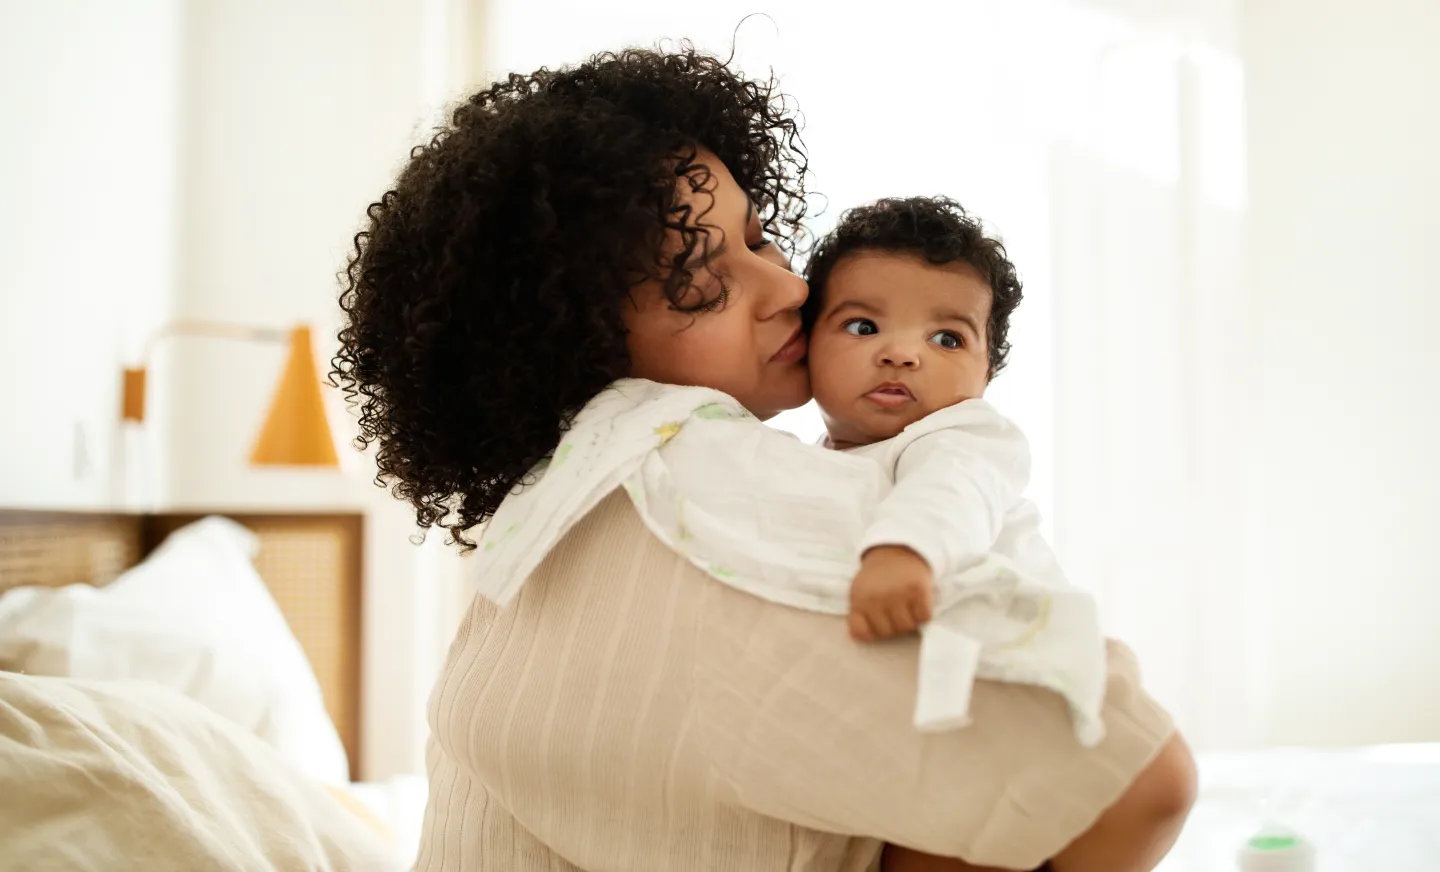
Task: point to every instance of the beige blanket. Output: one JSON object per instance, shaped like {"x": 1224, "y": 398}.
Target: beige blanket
{"x": 119, "y": 776}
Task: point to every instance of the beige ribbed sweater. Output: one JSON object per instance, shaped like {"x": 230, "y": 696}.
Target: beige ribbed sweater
{"x": 629, "y": 714}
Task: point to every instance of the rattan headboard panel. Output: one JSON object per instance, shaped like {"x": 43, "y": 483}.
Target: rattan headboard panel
{"x": 53, "y": 549}
{"x": 310, "y": 562}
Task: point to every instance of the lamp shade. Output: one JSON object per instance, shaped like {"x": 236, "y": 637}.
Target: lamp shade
{"x": 296, "y": 430}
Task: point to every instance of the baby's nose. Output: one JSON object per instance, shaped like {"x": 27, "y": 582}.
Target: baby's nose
{"x": 900, "y": 356}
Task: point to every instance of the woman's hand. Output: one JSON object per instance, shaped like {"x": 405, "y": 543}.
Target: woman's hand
{"x": 892, "y": 595}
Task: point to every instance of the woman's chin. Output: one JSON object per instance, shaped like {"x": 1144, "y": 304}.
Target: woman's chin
{"x": 783, "y": 394}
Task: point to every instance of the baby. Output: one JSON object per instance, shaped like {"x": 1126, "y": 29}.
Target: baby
{"x": 909, "y": 312}
{"x": 909, "y": 308}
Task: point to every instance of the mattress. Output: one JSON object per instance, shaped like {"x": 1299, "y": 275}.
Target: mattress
{"x": 1364, "y": 809}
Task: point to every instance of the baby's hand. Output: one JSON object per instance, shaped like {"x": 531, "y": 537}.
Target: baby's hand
{"x": 891, "y": 595}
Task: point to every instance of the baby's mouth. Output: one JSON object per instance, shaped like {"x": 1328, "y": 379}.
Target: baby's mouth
{"x": 890, "y": 395}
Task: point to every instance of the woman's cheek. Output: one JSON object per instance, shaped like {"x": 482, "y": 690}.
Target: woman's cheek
{"x": 708, "y": 356}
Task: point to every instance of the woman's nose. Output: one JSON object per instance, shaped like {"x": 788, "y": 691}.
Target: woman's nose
{"x": 783, "y": 290}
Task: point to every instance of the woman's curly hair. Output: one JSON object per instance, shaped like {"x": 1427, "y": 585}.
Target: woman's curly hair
{"x": 483, "y": 299}
{"x": 937, "y": 229}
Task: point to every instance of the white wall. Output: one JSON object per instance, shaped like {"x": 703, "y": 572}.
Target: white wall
{"x": 297, "y": 115}
{"x": 90, "y": 109}
{"x": 211, "y": 160}
{"x": 1149, "y": 377}
{"x": 1343, "y": 139}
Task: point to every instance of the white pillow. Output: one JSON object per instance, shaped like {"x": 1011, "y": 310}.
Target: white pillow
{"x": 194, "y": 616}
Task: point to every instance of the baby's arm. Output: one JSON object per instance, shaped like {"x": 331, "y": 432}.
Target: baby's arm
{"x": 953, "y": 487}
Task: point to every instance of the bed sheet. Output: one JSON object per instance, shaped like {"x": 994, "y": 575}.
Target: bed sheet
{"x": 1364, "y": 808}
{"x": 399, "y": 802}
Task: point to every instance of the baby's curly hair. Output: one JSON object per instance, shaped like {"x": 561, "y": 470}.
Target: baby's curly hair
{"x": 483, "y": 299}
{"x": 937, "y": 229}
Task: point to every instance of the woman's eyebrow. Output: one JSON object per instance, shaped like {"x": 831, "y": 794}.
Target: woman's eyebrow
{"x": 710, "y": 255}
{"x": 707, "y": 257}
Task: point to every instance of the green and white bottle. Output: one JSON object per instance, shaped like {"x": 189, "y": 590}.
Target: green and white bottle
{"x": 1275, "y": 849}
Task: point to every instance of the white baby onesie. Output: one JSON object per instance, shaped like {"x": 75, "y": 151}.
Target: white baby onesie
{"x": 957, "y": 475}
{"x": 764, "y": 513}
{"x": 959, "y": 478}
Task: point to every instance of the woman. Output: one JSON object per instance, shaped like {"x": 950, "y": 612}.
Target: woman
{"x": 631, "y": 217}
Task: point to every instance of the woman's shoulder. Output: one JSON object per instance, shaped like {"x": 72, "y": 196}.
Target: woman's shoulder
{"x": 655, "y": 441}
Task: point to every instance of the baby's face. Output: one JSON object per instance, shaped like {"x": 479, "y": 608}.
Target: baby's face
{"x": 897, "y": 339}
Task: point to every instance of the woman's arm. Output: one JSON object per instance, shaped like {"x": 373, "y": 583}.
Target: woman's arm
{"x": 804, "y": 725}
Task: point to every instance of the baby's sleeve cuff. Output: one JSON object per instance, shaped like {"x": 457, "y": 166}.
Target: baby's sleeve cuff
{"x": 891, "y": 533}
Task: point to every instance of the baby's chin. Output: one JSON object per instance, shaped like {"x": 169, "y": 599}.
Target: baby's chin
{"x": 880, "y": 434}
{"x": 860, "y": 422}
{"x": 865, "y": 429}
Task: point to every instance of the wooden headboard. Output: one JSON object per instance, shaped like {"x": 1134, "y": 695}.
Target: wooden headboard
{"x": 310, "y": 562}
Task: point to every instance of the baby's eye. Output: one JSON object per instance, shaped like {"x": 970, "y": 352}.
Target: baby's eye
{"x": 860, "y": 327}
{"x": 948, "y": 339}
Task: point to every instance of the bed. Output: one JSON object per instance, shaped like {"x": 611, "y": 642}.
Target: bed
{"x": 310, "y": 564}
